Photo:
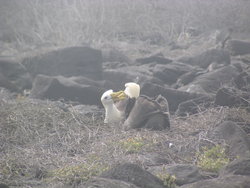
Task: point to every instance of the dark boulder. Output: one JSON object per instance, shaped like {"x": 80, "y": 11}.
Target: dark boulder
{"x": 223, "y": 182}
{"x": 232, "y": 97}
{"x": 242, "y": 80}
{"x": 194, "y": 106}
{"x": 156, "y": 58}
{"x": 134, "y": 174}
{"x": 184, "y": 173}
{"x": 237, "y": 167}
{"x": 98, "y": 182}
{"x": 174, "y": 97}
{"x": 72, "y": 61}
{"x": 113, "y": 55}
{"x": 55, "y": 88}
{"x": 238, "y": 47}
{"x": 140, "y": 74}
{"x": 212, "y": 81}
{"x": 205, "y": 58}
{"x": 14, "y": 76}
{"x": 171, "y": 72}
{"x": 188, "y": 77}
{"x": 236, "y": 138}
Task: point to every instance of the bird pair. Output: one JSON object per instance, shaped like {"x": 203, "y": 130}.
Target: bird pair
{"x": 116, "y": 102}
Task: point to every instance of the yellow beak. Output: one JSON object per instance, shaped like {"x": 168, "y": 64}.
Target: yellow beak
{"x": 117, "y": 96}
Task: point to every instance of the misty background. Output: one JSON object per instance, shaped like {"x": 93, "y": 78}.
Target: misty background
{"x": 74, "y": 22}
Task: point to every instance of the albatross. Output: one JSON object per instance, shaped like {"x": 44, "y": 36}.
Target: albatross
{"x": 116, "y": 102}
{"x": 134, "y": 110}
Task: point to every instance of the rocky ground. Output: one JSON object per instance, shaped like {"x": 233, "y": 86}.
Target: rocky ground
{"x": 55, "y": 135}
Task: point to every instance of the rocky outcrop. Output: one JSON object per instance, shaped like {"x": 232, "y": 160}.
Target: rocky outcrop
{"x": 171, "y": 72}
{"x": 207, "y": 57}
{"x": 72, "y": 61}
{"x": 156, "y": 58}
{"x": 237, "y": 167}
{"x": 212, "y": 81}
{"x": 174, "y": 97}
{"x": 59, "y": 87}
{"x": 238, "y": 47}
{"x": 184, "y": 173}
{"x": 232, "y": 97}
{"x": 223, "y": 182}
{"x": 106, "y": 183}
{"x": 194, "y": 106}
{"x": 14, "y": 76}
{"x": 118, "y": 77}
{"x": 236, "y": 138}
{"x": 132, "y": 173}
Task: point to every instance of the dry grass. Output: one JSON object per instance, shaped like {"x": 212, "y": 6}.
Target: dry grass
{"x": 42, "y": 145}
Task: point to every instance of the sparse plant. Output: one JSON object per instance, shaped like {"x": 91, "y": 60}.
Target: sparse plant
{"x": 78, "y": 173}
{"x": 212, "y": 159}
{"x": 12, "y": 168}
{"x": 168, "y": 179}
{"x": 132, "y": 145}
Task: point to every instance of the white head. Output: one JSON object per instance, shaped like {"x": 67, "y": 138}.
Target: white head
{"x": 107, "y": 98}
{"x": 132, "y": 89}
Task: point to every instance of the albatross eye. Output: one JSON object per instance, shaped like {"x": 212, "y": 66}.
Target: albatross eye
{"x": 106, "y": 97}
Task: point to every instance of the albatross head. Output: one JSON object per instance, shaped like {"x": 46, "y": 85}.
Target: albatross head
{"x": 107, "y": 98}
{"x": 132, "y": 90}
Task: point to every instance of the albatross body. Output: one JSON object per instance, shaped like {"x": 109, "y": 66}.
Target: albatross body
{"x": 112, "y": 114}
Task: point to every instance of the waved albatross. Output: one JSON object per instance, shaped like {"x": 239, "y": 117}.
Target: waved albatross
{"x": 115, "y": 103}
{"x": 136, "y": 111}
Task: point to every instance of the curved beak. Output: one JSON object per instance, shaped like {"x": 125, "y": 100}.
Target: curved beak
{"x": 118, "y": 96}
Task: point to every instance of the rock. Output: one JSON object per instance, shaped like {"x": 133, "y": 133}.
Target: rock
{"x": 86, "y": 81}
{"x": 72, "y": 61}
{"x": 134, "y": 174}
{"x": 55, "y": 88}
{"x": 184, "y": 173}
{"x": 236, "y": 138}
{"x": 224, "y": 182}
{"x": 156, "y": 58}
{"x": 174, "y": 97}
{"x": 242, "y": 80}
{"x": 238, "y": 47}
{"x": 2, "y": 185}
{"x": 194, "y": 106}
{"x": 171, "y": 72}
{"x": 118, "y": 77}
{"x": 113, "y": 55}
{"x": 232, "y": 98}
{"x": 98, "y": 182}
{"x": 204, "y": 59}
{"x": 188, "y": 77}
{"x": 14, "y": 76}
{"x": 212, "y": 81}
{"x": 237, "y": 167}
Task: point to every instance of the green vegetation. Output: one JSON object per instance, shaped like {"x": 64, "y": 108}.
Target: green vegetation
{"x": 12, "y": 168}
{"x": 213, "y": 159}
{"x": 168, "y": 180}
{"x": 78, "y": 173}
{"x": 132, "y": 145}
